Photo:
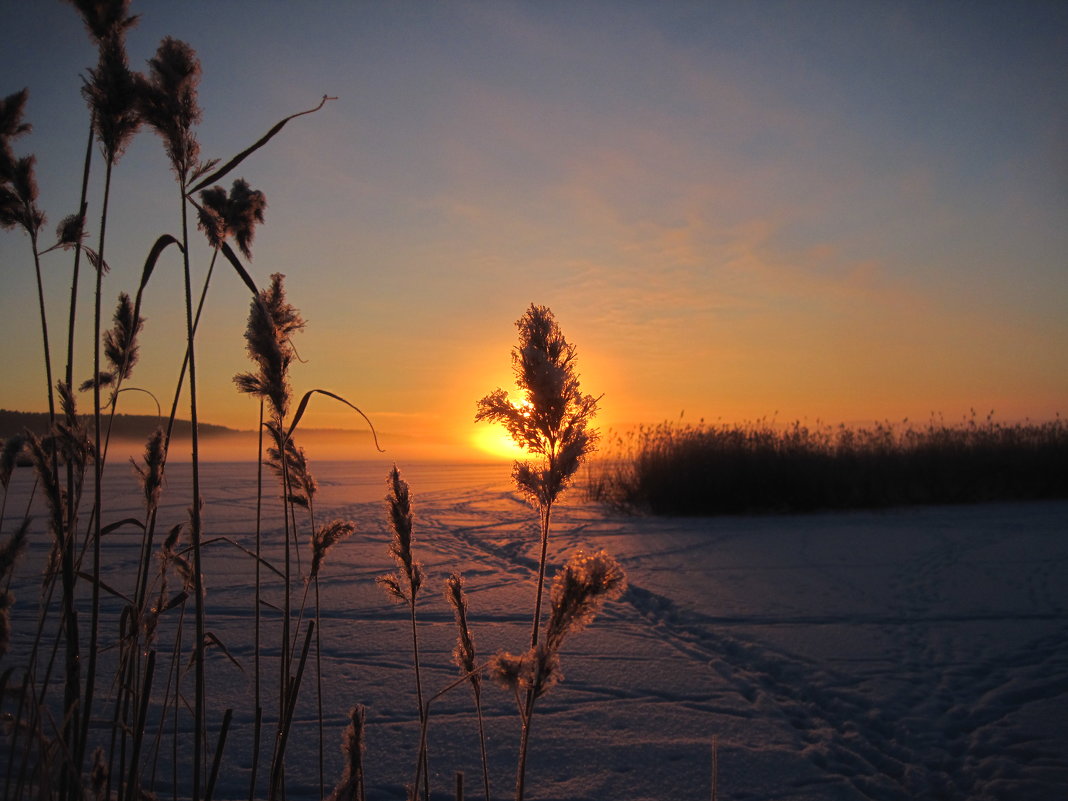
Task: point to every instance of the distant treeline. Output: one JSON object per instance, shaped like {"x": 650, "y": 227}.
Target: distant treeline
{"x": 125, "y": 426}
{"x": 676, "y": 469}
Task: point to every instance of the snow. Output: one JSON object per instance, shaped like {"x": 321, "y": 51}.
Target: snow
{"x": 906, "y": 654}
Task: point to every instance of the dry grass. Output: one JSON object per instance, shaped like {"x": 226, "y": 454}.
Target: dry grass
{"x": 141, "y": 721}
{"x": 704, "y": 469}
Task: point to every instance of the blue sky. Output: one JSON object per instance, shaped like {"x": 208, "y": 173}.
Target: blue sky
{"x": 844, "y": 211}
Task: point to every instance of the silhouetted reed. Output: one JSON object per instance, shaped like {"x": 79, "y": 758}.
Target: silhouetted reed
{"x": 464, "y": 657}
{"x": 550, "y": 420}
{"x": 350, "y": 787}
{"x": 703, "y": 469}
{"x": 140, "y": 616}
{"x": 404, "y": 584}
{"x": 18, "y": 205}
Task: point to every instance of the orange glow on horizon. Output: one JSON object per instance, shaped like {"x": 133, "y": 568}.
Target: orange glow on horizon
{"x": 493, "y": 440}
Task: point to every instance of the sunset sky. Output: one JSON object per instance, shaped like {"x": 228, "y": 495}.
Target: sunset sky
{"x": 824, "y": 211}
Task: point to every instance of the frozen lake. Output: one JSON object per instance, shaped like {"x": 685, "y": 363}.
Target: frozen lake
{"x": 904, "y": 654}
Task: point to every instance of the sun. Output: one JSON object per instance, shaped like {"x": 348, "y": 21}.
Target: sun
{"x": 494, "y": 441}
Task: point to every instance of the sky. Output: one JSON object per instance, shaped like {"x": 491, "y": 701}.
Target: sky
{"x": 817, "y": 211}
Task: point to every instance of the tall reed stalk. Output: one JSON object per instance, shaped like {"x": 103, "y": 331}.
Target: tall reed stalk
{"x": 112, "y": 97}
{"x": 403, "y": 585}
{"x": 550, "y": 421}
{"x": 464, "y": 657}
{"x": 169, "y": 105}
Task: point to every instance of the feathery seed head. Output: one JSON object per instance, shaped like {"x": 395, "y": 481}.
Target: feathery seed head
{"x": 405, "y": 583}
{"x": 302, "y": 485}
{"x": 112, "y": 94}
{"x": 236, "y": 215}
{"x": 11, "y": 127}
{"x": 552, "y": 421}
{"x": 464, "y": 652}
{"x": 120, "y": 343}
{"x": 45, "y": 468}
{"x": 151, "y": 475}
{"x": 12, "y": 548}
{"x": 18, "y": 198}
{"x": 105, "y": 19}
{"x": 9, "y": 453}
{"x": 352, "y": 746}
{"x": 579, "y": 591}
{"x": 211, "y": 215}
{"x": 538, "y": 669}
{"x": 168, "y": 99}
{"x": 272, "y": 320}
{"x": 68, "y": 432}
{"x": 71, "y": 231}
{"x": 12, "y": 108}
{"x": 325, "y": 538}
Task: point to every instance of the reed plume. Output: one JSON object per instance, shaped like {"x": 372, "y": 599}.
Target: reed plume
{"x": 111, "y": 91}
{"x": 272, "y": 321}
{"x": 326, "y": 537}
{"x": 18, "y": 196}
{"x": 579, "y": 591}
{"x": 221, "y": 216}
{"x": 9, "y": 454}
{"x": 463, "y": 656}
{"x": 12, "y": 127}
{"x": 551, "y": 420}
{"x": 120, "y": 343}
{"x": 350, "y": 787}
{"x": 70, "y": 232}
{"x": 293, "y": 472}
{"x": 9, "y": 553}
{"x": 121, "y": 348}
{"x": 168, "y": 103}
{"x": 151, "y": 475}
{"x": 105, "y": 18}
{"x": 404, "y": 584}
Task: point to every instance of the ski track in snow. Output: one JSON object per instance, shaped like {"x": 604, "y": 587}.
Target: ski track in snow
{"x": 906, "y": 654}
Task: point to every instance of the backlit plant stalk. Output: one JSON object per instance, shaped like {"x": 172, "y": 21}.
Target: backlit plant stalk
{"x": 111, "y": 93}
{"x": 18, "y": 208}
{"x": 272, "y": 321}
{"x": 550, "y": 421}
{"x": 464, "y": 657}
{"x": 404, "y": 584}
{"x": 169, "y": 105}
{"x": 579, "y": 591}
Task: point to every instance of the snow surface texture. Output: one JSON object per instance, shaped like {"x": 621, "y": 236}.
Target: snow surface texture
{"x": 907, "y": 654}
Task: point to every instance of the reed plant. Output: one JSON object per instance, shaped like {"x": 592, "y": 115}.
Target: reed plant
{"x": 403, "y": 585}
{"x": 677, "y": 468}
{"x": 80, "y": 724}
{"x": 119, "y": 100}
{"x": 549, "y": 419}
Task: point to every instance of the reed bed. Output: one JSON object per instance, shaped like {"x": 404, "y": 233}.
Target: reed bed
{"x": 678, "y": 468}
{"x": 113, "y": 696}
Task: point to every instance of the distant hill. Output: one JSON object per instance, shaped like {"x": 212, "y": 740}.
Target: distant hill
{"x": 220, "y": 443}
{"x": 126, "y": 426}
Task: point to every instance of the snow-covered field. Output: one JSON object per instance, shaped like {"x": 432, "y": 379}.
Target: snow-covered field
{"x": 905, "y": 654}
